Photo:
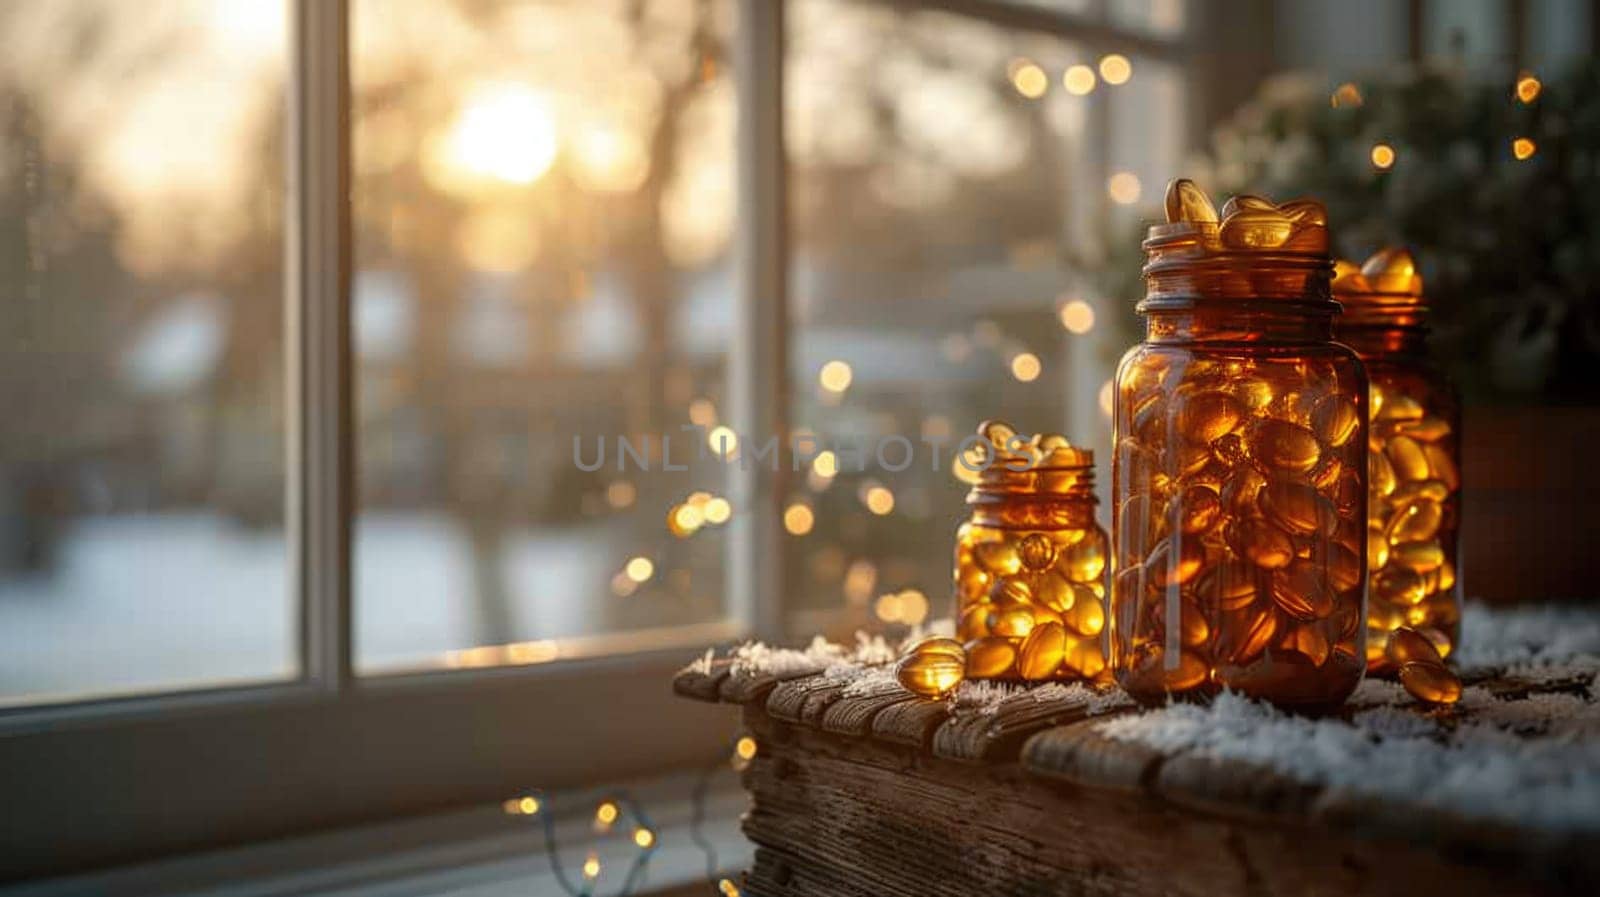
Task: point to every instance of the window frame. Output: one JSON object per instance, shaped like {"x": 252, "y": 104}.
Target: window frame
{"x": 125, "y": 779}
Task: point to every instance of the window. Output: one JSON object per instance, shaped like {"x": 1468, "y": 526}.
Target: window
{"x": 306, "y": 530}
{"x": 949, "y": 177}
{"x": 141, "y": 465}
{"x": 543, "y": 206}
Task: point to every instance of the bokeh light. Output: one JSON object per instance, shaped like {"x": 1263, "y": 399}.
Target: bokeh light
{"x": 1124, "y": 188}
{"x": 1077, "y": 316}
{"x": 1078, "y": 80}
{"x": 1026, "y": 367}
{"x": 835, "y": 376}
{"x": 1115, "y": 69}
{"x": 1030, "y": 80}
{"x": 1523, "y": 148}
{"x": 1383, "y": 156}
{"x": 798, "y": 519}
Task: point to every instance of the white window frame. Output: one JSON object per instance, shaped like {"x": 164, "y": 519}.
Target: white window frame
{"x": 118, "y": 780}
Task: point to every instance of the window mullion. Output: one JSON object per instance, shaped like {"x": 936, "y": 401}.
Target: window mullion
{"x": 319, "y": 365}
{"x": 758, "y": 356}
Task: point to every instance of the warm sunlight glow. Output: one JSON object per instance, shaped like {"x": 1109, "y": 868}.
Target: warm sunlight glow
{"x": 609, "y": 159}
{"x": 506, "y": 132}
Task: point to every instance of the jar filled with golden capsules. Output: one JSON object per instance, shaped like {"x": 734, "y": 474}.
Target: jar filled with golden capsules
{"x": 1030, "y": 560}
{"x": 1240, "y": 468}
{"x": 1414, "y": 495}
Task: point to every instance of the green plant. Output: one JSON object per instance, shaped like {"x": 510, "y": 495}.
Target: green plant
{"x": 1510, "y": 248}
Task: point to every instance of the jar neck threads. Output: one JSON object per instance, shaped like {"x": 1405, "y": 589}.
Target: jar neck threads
{"x": 1039, "y": 498}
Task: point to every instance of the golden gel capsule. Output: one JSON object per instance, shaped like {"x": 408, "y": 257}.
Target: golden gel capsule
{"x": 1241, "y": 475}
{"x": 1406, "y": 645}
{"x": 1431, "y": 682}
{"x": 990, "y": 657}
{"x": 1041, "y": 652}
{"x": 931, "y": 674}
{"x": 1414, "y": 508}
{"x": 1032, "y": 538}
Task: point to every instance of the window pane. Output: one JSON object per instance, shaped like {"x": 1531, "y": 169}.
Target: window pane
{"x": 949, "y": 178}
{"x": 543, "y": 201}
{"x": 141, "y": 463}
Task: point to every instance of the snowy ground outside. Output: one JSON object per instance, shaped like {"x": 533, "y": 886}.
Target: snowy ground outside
{"x": 139, "y": 603}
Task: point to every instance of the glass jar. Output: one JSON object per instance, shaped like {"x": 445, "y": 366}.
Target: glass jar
{"x": 1240, "y": 472}
{"x": 1030, "y": 561}
{"x": 1414, "y": 499}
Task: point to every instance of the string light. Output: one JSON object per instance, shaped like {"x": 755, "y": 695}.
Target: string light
{"x": 527, "y": 805}
{"x": 745, "y": 748}
{"x": 591, "y": 866}
{"x": 644, "y": 838}
{"x": 1528, "y": 88}
{"x": 728, "y": 888}
{"x": 1115, "y": 69}
{"x": 606, "y": 813}
{"x": 1523, "y": 148}
{"x": 1029, "y": 80}
{"x": 1078, "y": 80}
{"x": 1383, "y": 156}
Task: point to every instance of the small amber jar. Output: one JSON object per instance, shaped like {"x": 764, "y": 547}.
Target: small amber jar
{"x": 1414, "y": 499}
{"x": 1240, "y": 471}
{"x": 1030, "y": 561}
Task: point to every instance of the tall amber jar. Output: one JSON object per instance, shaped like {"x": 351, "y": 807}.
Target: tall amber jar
{"x": 1414, "y": 500}
{"x": 1030, "y": 561}
{"x": 1240, "y": 474}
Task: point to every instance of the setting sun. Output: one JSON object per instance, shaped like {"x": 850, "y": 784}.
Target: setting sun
{"x": 506, "y": 132}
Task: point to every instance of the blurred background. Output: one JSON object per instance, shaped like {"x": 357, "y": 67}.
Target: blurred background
{"x": 544, "y": 211}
